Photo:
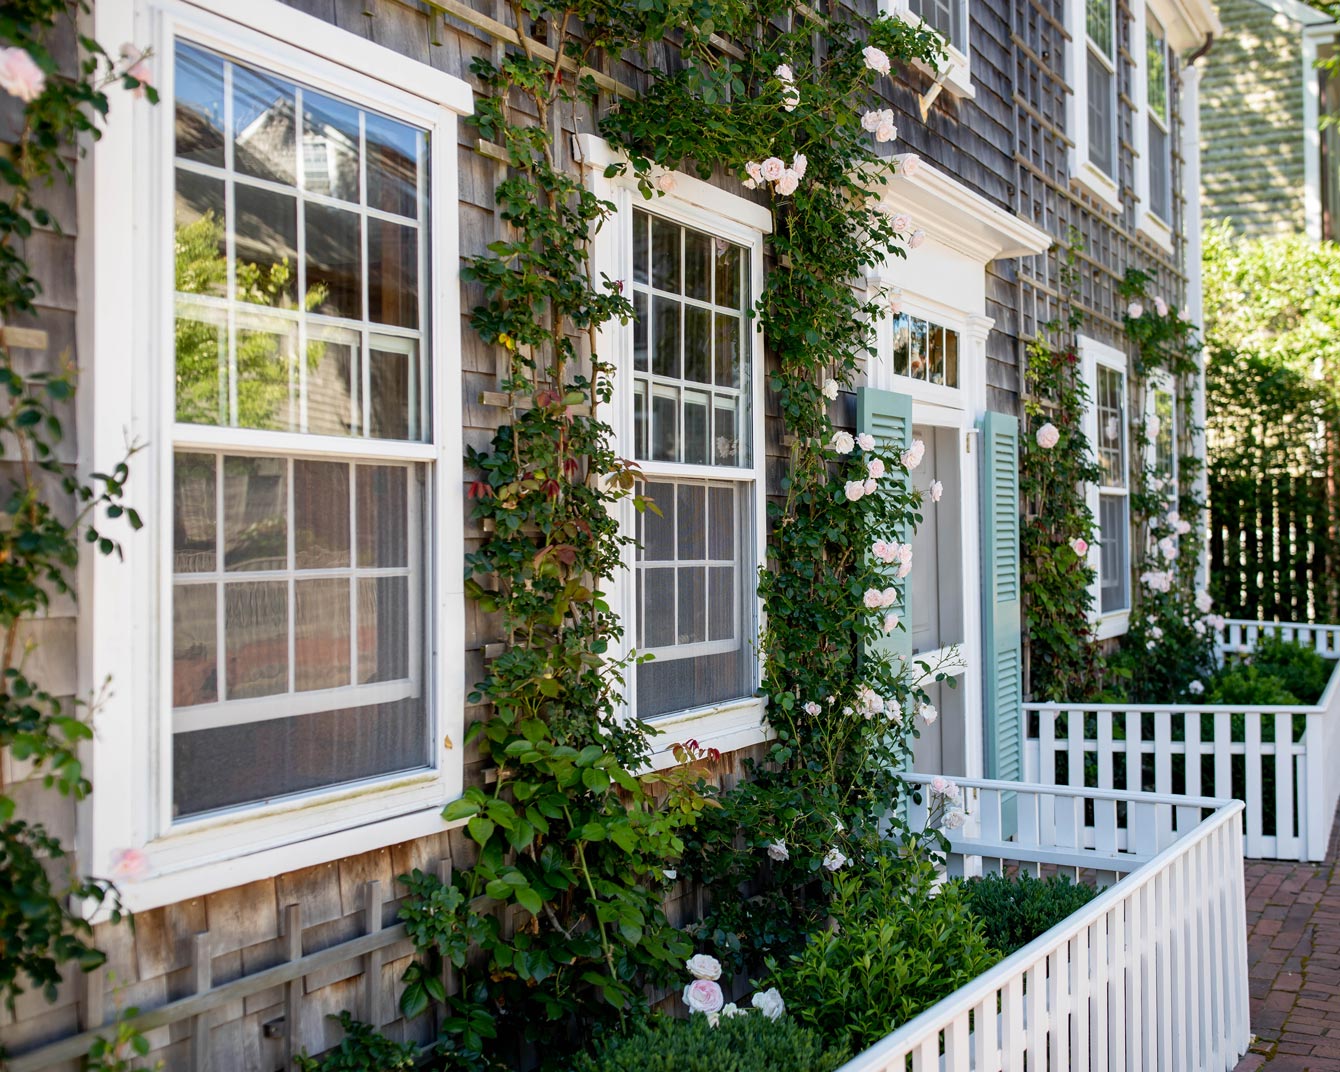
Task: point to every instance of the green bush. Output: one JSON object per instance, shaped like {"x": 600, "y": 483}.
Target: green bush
{"x": 1298, "y": 667}
{"x": 1246, "y": 685}
{"x": 1015, "y": 910}
{"x": 363, "y": 1048}
{"x": 749, "y": 1043}
{"x": 897, "y": 947}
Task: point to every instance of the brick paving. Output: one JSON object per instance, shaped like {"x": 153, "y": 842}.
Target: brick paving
{"x": 1293, "y": 950}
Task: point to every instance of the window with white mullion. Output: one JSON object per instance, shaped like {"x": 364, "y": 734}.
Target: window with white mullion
{"x": 1157, "y": 94}
{"x": 302, "y": 448}
{"x": 691, "y": 381}
{"x": 1101, "y": 84}
{"x": 1113, "y": 490}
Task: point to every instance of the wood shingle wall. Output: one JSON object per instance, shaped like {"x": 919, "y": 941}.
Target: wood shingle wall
{"x": 1008, "y": 144}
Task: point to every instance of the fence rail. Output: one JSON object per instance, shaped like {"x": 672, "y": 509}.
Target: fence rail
{"x": 1281, "y": 761}
{"x": 1152, "y": 974}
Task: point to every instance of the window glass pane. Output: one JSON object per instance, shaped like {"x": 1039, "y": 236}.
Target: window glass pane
{"x": 255, "y": 513}
{"x": 666, "y": 328}
{"x": 698, "y": 265}
{"x": 1160, "y": 193}
{"x": 329, "y": 146}
{"x": 917, "y": 349}
{"x": 697, "y": 344}
{"x": 1101, "y": 105}
{"x": 263, "y": 128}
{"x": 195, "y": 668}
{"x": 951, "y": 358}
{"x": 728, "y": 351}
{"x": 194, "y": 513}
{"x": 1164, "y": 434}
{"x": 1114, "y": 535}
{"x": 238, "y": 240}
{"x": 198, "y": 89}
{"x": 320, "y": 514}
{"x": 640, "y": 332}
{"x": 383, "y": 511}
{"x": 321, "y": 644}
{"x": 255, "y": 636}
{"x": 942, "y": 15}
{"x": 1156, "y": 51}
{"x": 1111, "y": 407}
{"x": 902, "y": 342}
{"x": 665, "y": 255}
{"x": 383, "y": 629}
{"x": 334, "y": 262}
{"x": 1098, "y": 22}
{"x": 729, "y": 269}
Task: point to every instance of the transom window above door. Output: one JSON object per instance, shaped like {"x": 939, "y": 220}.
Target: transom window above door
{"x": 690, "y": 374}
{"x": 924, "y": 350}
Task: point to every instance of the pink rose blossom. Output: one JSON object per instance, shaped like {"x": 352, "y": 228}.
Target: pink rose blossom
{"x": 909, "y": 164}
{"x": 854, "y": 490}
{"x": 811, "y": 708}
{"x": 137, "y": 68}
{"x": 665, "y": 182}
{"x": 704, "y": 995}
{"x": 1048, "y": 436}
{"x": 1160, "y": 307}
{"x": 1135, "y": 310}
{"x": 904, "y": 570}
{"x": 937, "y": 490}
{"x": 787, "y": 184}
{"x": 875, "y": 468}
{"x": 130, "y": 865}
{"x": 830, "y": 390}
{"x": 874, "y": 599}
{"x": 916, "y": 238}
{"x": 890, "y": 596}
{"x": 890, "y": 622}
{"x": 913, "y": 455}
{"x": 886, "y": 132}
{"x": 842, "y": 442}
{"x": 870, "y": 485}
{"x": 1080, "y": 546}
{"x": 773, "y": 168}
{"x": 754, "y": 170}
{"x": 865, "y": 441}
{"x": 901, "y": 222}
{"x": 876, "y": 59}
{"x": 800, "y": 164}
{"x": 20, "y": 76}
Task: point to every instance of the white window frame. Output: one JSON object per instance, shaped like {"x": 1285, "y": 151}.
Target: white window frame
{"x": 958, "y": 55}
{"x": 1082, "y": 170}
{"x": 731, "y": 724}
{"x": 1147, "y": 221}
{"x": 1315, "y": 38}
{"x": 125, "y": 332}
{"x": 1093, "y": 355}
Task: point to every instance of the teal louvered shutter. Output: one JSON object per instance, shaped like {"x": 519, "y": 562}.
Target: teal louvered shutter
{"x": 887, "y": 416}
{"x": 1001, "y": 596}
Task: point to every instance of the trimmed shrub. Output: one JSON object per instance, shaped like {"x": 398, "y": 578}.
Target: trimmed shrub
{"x": 897, "y": 946}
{"x": 1015, "y": 910}
{"x": 748, "y": 1043}
{"x": 1298, "y": 667}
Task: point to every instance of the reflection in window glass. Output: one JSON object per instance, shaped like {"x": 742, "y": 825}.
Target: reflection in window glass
{"x": 945, "y": 16}
{"x": 1113, "y": 505}
{"x": 1163, "y": 433}
{"x": 351, "y": 193}
{"x": 1160, "y": 155}
{"x": 925, "y": 350}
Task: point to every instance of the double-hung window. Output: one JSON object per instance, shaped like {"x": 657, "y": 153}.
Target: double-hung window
{"x": 693, "y": 414}
{"x": 300, "y": 485}
{"x": 948, "y": 16}
{"x": 1106, "y": 425}
{"x": 1159, "y": 119}
{"x": 1161, "y": 429}
{"x": 950, "y": 19}
{"x": 289, "y": 665}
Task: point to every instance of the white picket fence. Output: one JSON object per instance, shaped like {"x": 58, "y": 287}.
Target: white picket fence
{"x": 1283, "y": 762}
{"x": 1151, "y": 974}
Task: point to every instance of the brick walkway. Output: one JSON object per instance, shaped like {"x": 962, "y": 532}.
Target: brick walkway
{"x": 1293, "y": 940}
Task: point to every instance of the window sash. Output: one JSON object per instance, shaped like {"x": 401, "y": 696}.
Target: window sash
{"x": 1100, "y": 105}
{"x": 946, "y": 16}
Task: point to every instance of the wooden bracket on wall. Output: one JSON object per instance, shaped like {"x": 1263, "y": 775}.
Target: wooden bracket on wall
{"x": 23, "y": 338}
{"x": 927, "y": 99}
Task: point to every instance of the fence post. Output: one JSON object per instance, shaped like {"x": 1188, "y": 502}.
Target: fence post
{"x": 1317, "y": 824}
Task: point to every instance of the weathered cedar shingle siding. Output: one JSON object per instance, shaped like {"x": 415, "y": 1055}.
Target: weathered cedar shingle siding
{"x": 1252, "y": 122}
{"x": 1007, "y": 145}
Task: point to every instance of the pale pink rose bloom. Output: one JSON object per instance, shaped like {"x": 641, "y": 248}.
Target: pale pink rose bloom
{"x": 778, "y": 851}
{"x": 773, "y": 168}
{"x": 901, "y": 222}
{"x": 834, "y": 860}
{"x": 1135, "y": 310}
{"x": 909, "y": 164}
{"x": 787, "y": 184}
{"x": 875, "y": 468}
{"x": 876, "y": 59}
{"x": 1160, "y": 307}
{"x": 955, "y": 817}
{"x": 927, "y": 712}
{"x": 871, "y": 121}
{"x": 882, "y": 551}
{"x": 790, "y": 99}
{"x": 800, "y": 164}
{"x": 754, "y": 170}
{"x": 904, "y": 552}
{"x": 886, "y": 132}
{"x": 20, "y": 76}
{"x": 1080, "y": 546}
{"x": 865, "y": 441}
{"x": 913, "y": 455}
{"x": 940, "y": 784}
{"x": 889, "y": 596}
{"x": 785, "y": 73}
{"x": 842, "y": 443}
{"x": 904, "y": 570}
{"x": 703, "y": 966}
{"x": 137, "y": 68}
{"x": 830, "y": 390}
{"x": 854, "y": 490}
{"x": 665, "y": 182}
{"x": 874, "y": 599}
{"x": 937, "y": 490}
{"x": 1182, "y": 527}
{"x": 812, "y": 708}
{"x": 1048, "y": 436}
{"x": 750, "y": 184}
{"x": 703, "y": 995}
{"x": 916, "y": 238}
{"x": 870, "y": 486}
{"x": 890, "y": 622}
{"x": 130, "y": 865}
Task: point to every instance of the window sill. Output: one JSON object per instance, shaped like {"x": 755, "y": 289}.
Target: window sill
{"x": 1112, "y": 624}
{"x": 725, "y": 726}
{"x": 1156, "y": 231}
{"x": 1097, "y": 183}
